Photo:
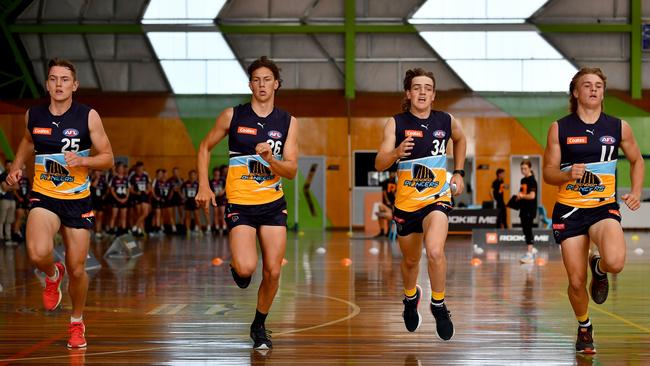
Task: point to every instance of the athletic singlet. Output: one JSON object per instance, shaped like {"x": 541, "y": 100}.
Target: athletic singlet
{"x": 595, "y": 145}
{"x": 120, "y": 185}
{"x": 250, "y": 180}
{"x": 52, "y": 136}
{"x": 161, "y": 188}
{"x": 139, "y": 182}
{"x": 422, "y": 176}
{"x": 191, "y": 188}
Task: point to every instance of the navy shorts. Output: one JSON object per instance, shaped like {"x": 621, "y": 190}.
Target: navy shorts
{"x": 76, "y": 213}
{"x": 571, "y": 221}
{"x": 411, "y": 222}
{"x": 267, "y": 214}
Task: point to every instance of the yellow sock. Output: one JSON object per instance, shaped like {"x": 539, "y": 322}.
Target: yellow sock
{"x": 410, "y": 293}
{"x": 583, "y": 318}
{"x": 437, "y": 296}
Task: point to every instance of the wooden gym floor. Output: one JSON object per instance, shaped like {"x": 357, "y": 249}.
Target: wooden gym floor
{"x": 173, "y": 306}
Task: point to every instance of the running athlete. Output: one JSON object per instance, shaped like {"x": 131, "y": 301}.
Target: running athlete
{"x": 61, "y": 135}
{"x": 580, "y": 158}
{"x": 140, "y": 188}
{"x": 189, "y": 190}
{"x": 417, "y": 140}
{"x": 263, "y": 148}
{"x": 119, "y": 193}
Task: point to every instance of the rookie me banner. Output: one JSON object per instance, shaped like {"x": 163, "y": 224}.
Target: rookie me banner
{"x": 487, "y": 237}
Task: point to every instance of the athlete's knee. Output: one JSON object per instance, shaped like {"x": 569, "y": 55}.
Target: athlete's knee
{"x": 77, "y": 270}
{"x": 577, "y": 283}
{"x": 245, "y": 268}
{"x": 273, "y": 273}
{"x": 37, "y": 251}
{"x": 411, "y": 262}
{"x": 614, "y": 265}
{"x": 436, "y": 254}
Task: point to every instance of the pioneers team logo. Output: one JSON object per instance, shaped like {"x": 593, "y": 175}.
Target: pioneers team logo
{"x": 423, "y": 178}
{"x": 56, "y": 173}
{"x": 607, "y": 140}
{"x": 275, "y": 134}
{"x": 257, "y": 172}
{"x": 439, "y": 134}
{"x": 589, "y": 182}
{"x": 70, "y": 132}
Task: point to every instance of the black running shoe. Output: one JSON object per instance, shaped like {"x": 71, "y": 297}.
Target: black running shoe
{"x": 412, "y": 318}
{"x": 261, "y": 337}
{"x": 444, "y": 326}
{"x": 242, "y": 282}
{"x": 599, "y": 286}
{"x": 585, "y": 340}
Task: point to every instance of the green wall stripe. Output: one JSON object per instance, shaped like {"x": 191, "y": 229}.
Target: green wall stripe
{"x": 6, "y": 147}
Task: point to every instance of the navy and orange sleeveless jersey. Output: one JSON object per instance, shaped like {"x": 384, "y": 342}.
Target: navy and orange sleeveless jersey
{"x": 250, "y": 180}
{"x": 422, "y": 176}
{"x": 52, "y": 136}
{"x": 595, "y": 145}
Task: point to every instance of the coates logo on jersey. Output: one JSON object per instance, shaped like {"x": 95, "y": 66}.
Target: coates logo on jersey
{"x": 576, "y": 140}
{"x": 439, "y": 134}
{"x": 41, "y": 131}
{"x": 607, "y": 140}
{"x": 413, "y": 133}
{"x": 70, "y": 132}
{"x": 275, "y": 134}
{"x": 247, "y": 130}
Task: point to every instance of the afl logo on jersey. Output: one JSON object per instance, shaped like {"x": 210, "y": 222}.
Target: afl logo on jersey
{"x": 439, "y": 134}
{"x": 70, "y": 132}
{"x": 275, "y": 134}
{"x": 607, "y": 140}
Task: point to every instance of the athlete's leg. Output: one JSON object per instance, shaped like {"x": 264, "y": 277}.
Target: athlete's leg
{"x": 575, "y": 251}
{"x": 77, "y": 242}
{"x": 608, "y": 236}
{"x": 435, "y": 227}
{"x": 273, "y": 242}
{"x": 243, "y": 246}
{"x": 42, "y": 225}
{"x": 411, "y": 246}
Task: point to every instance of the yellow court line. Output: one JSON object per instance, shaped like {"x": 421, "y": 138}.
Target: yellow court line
{"x": 615, "y": 316}
{"x": 618, "y": 317}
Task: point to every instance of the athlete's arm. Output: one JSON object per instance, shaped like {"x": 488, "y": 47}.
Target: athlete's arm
{"x": 552, "y": 158}
{"x": 637, "y": 166}
{"x": 287, "y": 167}
{"x": 388, "y": 154}
{"x": 460, "y": 149}
{"x": 103, "y": 158}
{"x": 216, "y": 134}
{"x": 25, "y": 150}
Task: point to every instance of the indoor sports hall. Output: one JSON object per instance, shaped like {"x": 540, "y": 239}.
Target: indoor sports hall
{"x": 324, "y": 182}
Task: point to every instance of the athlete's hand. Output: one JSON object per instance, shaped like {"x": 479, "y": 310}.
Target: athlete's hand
{"x": 73, "y": 159}
{"x": 632, "y": 201}
{"x": 14, "y": 176}
{"x": 404, "y": 149}
{"x": 577, "y": 171}
{"x": 457, "y": 180}
{"x": 263, "y": 149}
{"x": 204, "y": 197}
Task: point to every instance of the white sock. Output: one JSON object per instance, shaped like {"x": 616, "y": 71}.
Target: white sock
{"x": 56, "y": 274}
{"x": 76, "y": 320}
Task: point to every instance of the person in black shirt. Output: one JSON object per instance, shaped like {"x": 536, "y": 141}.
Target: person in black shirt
{"x": 98, "y": 190}
{"x": 385, "y": 214}
{"x": 528, "y": 208}
{"x": 119, "y": 193}
{"x": 7, "y": 207}
{"x": 497, "y": 196}
{"x": 190, "y": 189}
